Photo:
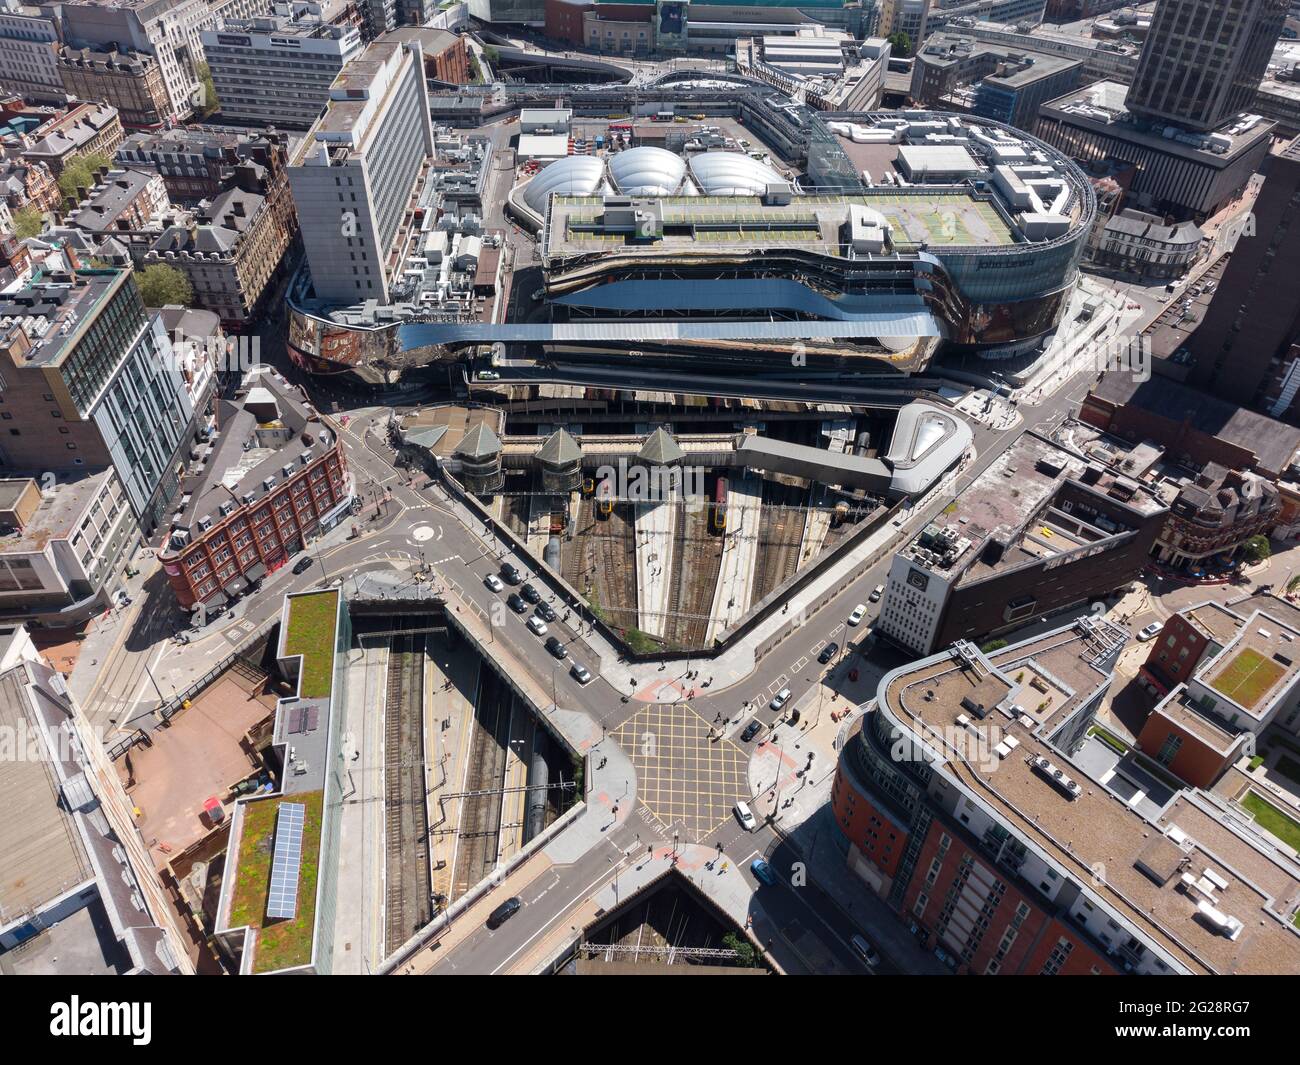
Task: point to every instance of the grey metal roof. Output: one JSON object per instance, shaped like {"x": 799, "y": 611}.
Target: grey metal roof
{"x": 479, "y": 443}
{"x": 560, "y": 449}
{"x": 814, "y": 463}
{"x": 660, "y": 449}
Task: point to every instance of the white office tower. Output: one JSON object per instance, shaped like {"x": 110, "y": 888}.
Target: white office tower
{"x": 357, "y": 170}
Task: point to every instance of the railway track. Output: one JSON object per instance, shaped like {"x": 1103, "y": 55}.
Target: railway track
{"x": 780, "y": 537}
{"x": 612, "y": 546}
{"x": 409, "y": 904}
{"x": 480, "y": 817}
{"x": 697, "y": 558}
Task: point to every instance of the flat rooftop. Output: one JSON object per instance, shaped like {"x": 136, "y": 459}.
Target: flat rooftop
{"x": 1274, "y": 443}
{"x": 943, "y": 218}
{"x": 1012, "y": 504}
{"x": 58, "y": 513}
{"x": 1260, "y": 663}
{"x": 1214, "y": 620}
{"x": 1096, "y": 830}
{"x": 1182, "y": 710}
{"x": 54, "y": 312}
{"x": 1101, "y": 105}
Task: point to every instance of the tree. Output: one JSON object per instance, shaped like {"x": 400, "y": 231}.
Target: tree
{"x": 161, "y": 284}
{"x": 79, "y": 171}
{"x": 745, "y": 953}
{"x": 900, "y": 44}
{"x": 1258, "y": 549}
{"x": 28, "y": 222}
{"x": 210, "y": 101}
{"x": 993, "y": 645}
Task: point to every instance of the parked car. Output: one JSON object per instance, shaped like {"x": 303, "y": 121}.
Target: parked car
{"x": 503, "y": 913}
{"x": 751, "y": 730}
{"x": 865, "y": 950}
{"x": 876, "y": 593}
{"x": 580, "y": 673}
{"x": 780, "y": 699}
{"x": 762, "y": 872}
{"x": 828, "y": 652}
{"x": 859, "y": 612}
{"x": 1151, "y": 631}
{"x": 745, "y": 816}
{"x": 493, "y": 582}
{"x": 530, "y": 593}
{"x": 545, "y": 612}
{"x": 488, "y": 375}
{"x": 556, "y": 647}
{"x": 302, "y": 565}
{"x": 516, "y": 604}
{"x": 538, "y": 626}
{"x": 512, "y": 575}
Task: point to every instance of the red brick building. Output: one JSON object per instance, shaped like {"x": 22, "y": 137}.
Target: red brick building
{"x": 972, "y": 799}
{"x": 292, "y": 483}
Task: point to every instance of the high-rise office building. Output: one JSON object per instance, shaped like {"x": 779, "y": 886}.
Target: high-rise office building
{"x": 1204, "y": 59}
{"x": 91, "y": 381}
{"x": 1247, "y": 347}
{"x": 357, "y": 169}
{"x": 276, "y": 70}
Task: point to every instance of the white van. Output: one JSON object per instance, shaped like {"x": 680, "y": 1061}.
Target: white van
{"x": 745, "y": 816}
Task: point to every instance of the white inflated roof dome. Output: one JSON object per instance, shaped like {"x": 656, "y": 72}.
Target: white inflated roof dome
{"x": 647, "y": 171}
{"x": 574, "y": 175}
{"x": 732, "y": 174}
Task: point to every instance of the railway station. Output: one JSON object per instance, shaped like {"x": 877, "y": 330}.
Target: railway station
{"x": 674, "y": 537}
{"x": 412, "y": 767}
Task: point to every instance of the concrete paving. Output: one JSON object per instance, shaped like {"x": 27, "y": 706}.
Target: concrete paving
{"x": 654, "y": 525}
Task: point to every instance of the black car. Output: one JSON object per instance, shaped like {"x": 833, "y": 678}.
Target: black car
{"x": 503, "y": 913}
{"x": 828, "y": 652}
{"x": 511, "y": 575}
{"x": 516, "y": 604}
{"x": 530, "y": 593}
{"x": 302, "y": 565}
{"x": 545, "y": 612}
{"x": 556, "y": 647}
{"x": 751, "y": 730}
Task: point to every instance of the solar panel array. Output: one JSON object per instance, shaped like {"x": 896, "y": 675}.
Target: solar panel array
{"x": 303, "y": 719}
{"x": 287, "y": 861}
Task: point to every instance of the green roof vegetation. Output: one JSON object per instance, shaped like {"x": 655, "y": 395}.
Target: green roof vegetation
{"x": 1247, "y": 677}
{"x": 311, "y": 634}
{"x": 1272, "y": 820}
{"x": 281, "y": 944}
